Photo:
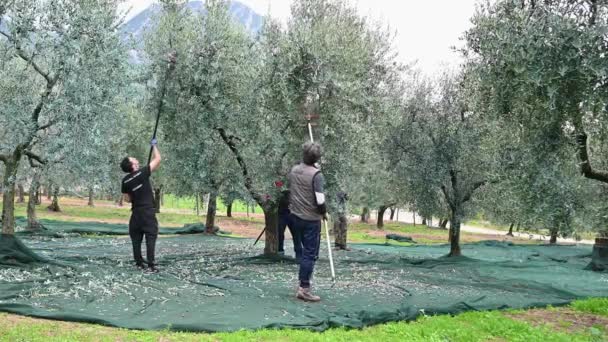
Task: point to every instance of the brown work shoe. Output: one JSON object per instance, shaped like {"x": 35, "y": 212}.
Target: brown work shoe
{"x": 305, "y": 295}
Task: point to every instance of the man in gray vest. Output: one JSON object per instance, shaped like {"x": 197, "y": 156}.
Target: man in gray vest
{"x": 307, "y": 207}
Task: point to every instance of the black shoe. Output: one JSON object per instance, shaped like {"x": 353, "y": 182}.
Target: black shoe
{"x": 140, "y": 266}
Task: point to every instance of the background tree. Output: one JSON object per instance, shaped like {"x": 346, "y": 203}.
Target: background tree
{"x": 439, "y": 146}
{"x": 542, "y": 65}
{"x": 56, "y": 56}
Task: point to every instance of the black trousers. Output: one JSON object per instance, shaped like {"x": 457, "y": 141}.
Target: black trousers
{"x": 143, "y": 223}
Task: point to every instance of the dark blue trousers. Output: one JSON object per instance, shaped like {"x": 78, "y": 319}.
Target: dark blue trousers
{"x": 310, "y": 232}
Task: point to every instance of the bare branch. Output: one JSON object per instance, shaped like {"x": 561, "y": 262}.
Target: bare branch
{"x": 40, "y": 105}
{"x": 33, "y": 156}
{"x": 475, "y": 186}
{"x": 585, "y": 164}
{"x": 229, "y": 140}
{"x": 49, "y": 124}
{"x": 29, "y": 60}
{"x": 448, "y": 198}
{"x": 280, "y": 163}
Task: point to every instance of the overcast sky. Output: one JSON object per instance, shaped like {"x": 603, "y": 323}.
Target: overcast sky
{"x": 426, "y": 30}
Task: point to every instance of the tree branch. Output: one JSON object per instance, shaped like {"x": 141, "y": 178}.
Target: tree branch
{"x": 444, "y": 189}
{"x": 33, "y": 156}
{"x": 229, "y": 141}
{"x": 585, "y": 164}
{"x": 39, "y": 106}
{"x": 29, "y": 60}
{"x": 49, "y": 124}
{"x": 280, "y": 164}
{"x": 475, "y": 186}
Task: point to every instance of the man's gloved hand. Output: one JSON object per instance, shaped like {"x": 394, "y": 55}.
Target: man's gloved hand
{"x": 154, "y": 142}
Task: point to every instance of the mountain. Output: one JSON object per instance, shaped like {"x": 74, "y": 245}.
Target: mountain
{"x": 241, "y": 13}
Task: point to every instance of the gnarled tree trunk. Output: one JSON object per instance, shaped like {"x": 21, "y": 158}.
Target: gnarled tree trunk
{"x": 380, "y": 221}
{"x": 91, "y": 193}
{"x": 365, "y": 215}
{"x": 39, "y": 195}
{"x": 381, "y": 212}
{"x": 21, "y": 193}
{"x": 211, "y": 210}
{"x": 32, "y": 220}
{"x": 392, "y": 213}
{"x": 455, "y": 232}
{"x": 271, "y": 221}
{"x": 8, "y": 197}
{"x": 229, "y": 209}
{"x": 55, "y": 203}
{"x": 553, "y": 236}
{"x": 510, "y": 233}
{"x": 340, "y": 231}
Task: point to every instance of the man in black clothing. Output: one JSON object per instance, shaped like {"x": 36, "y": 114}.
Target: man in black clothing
{"x": 284, "y": 222}
{"x": 137, "y": 189}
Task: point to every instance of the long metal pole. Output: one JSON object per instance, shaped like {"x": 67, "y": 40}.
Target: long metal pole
{"x": 331, "y": 259}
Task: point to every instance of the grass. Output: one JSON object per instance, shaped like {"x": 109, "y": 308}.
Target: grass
{"x": 361, "y": 232}
{"x": 596, "y": 306}
{"x": 189, "y": 202}
{"x": 469, "y": 326}
{"x": 102, "y": 213}
{"x": 362, "y": 237}
{"x": 76, "y": 213}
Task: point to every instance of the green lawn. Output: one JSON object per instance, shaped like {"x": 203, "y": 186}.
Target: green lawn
{"x": 189, "y": 202}
{"x": 470, "y": 326}
{"x": 99, "y": 212}
{"x": 361, "y": 232}
{"x": 84, "y": 213}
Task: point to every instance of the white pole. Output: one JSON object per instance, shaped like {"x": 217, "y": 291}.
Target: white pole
{"x": 310, "y": 132}
{"x": 331, "y": 259}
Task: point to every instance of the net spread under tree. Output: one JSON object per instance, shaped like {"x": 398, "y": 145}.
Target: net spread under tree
{"x": 213, "y": 283}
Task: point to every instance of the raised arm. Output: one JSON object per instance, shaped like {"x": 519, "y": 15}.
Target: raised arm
{"x": 155, "y": 162}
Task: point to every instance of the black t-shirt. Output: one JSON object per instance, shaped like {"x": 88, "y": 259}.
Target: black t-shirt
{"x": 137, "y": 184}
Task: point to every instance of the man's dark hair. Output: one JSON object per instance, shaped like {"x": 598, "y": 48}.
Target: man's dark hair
{"x": 126, "y": 165}
{"x": 311, "y": 153}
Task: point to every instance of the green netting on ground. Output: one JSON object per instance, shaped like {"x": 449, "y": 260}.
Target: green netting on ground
{"x": 61, "y": 229}
{"x": 210, "y": 283}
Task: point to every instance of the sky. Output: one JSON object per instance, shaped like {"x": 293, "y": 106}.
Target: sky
{"x": 425, "y": 29}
